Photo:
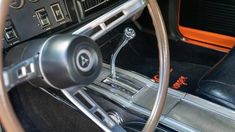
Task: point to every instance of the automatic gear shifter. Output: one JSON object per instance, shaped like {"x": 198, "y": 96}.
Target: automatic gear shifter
{"x": 129, "y": 34}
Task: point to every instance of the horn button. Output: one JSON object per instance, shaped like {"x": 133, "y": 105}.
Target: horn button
{"x": 84, "y": 60}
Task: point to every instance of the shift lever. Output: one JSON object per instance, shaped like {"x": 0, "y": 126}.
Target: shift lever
{"x": 129, "y": 34}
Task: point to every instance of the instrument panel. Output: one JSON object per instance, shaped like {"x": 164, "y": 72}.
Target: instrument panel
{"x": 31, "y": 18}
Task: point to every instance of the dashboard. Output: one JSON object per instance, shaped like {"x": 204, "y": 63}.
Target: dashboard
{"x": 32, "y": 18}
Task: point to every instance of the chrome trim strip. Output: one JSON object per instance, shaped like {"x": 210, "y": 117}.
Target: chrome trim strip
{"x": 169, "y": 122}
{"x": 210, "y": 106}
{"x": 129, "y": 8}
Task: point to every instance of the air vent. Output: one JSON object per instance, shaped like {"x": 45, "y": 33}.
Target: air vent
{"x": 90, "y": 7}
{"x": 114, "y": 18}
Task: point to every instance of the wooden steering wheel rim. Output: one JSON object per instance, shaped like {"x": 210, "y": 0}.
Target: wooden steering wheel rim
{"x": 7, "y": 115}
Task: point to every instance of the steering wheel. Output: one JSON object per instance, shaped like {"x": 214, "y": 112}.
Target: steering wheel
{"x": 7, "y": 116}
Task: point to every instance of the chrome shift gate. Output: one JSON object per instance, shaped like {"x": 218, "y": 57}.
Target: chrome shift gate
{"x": 124, "y": 84}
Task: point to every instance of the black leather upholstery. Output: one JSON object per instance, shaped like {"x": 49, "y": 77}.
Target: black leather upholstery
{"x": 218, "y": 85}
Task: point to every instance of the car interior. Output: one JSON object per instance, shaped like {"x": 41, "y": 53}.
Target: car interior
{"x": 117, "y": 65}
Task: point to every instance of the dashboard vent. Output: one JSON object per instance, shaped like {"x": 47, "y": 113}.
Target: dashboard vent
{"x": 90, "y": 7}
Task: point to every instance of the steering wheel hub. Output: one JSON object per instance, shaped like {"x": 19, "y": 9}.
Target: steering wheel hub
{"x": 70, "y": 60}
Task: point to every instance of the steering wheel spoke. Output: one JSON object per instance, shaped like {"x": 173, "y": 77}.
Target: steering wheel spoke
{"x": 79, "y": 97}
{"x": 21, "y": 72}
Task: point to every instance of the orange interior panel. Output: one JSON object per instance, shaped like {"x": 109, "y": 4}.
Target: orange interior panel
{"x": 210, "y": 46}
{"x": 206, "y": 39}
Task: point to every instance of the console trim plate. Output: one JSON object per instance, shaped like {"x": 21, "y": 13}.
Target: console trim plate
{"x": 167, "y": 118}
{"x": 129, "y": 8}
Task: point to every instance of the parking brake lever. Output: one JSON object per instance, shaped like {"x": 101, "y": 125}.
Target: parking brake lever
{"x": 129, "y": 34}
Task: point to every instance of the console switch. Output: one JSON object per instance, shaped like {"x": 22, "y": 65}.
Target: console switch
{"x": 10, "y": 33}
{"x": 57, "y": 12}
{"x": 43, "y": 17}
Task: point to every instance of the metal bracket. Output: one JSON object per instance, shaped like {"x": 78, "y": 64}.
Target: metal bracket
{"x": 21, "y": 72}
{"x": 87, "y": 105}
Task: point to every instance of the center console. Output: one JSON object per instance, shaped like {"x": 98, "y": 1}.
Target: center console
{"x": 182, "y": 111}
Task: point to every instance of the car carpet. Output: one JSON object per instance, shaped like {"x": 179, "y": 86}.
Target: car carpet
{"x": 40, "y": 112}
{"x": 190, "y": 71}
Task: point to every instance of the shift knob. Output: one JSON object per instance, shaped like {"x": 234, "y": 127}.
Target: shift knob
{"x": 129, "y": 34}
